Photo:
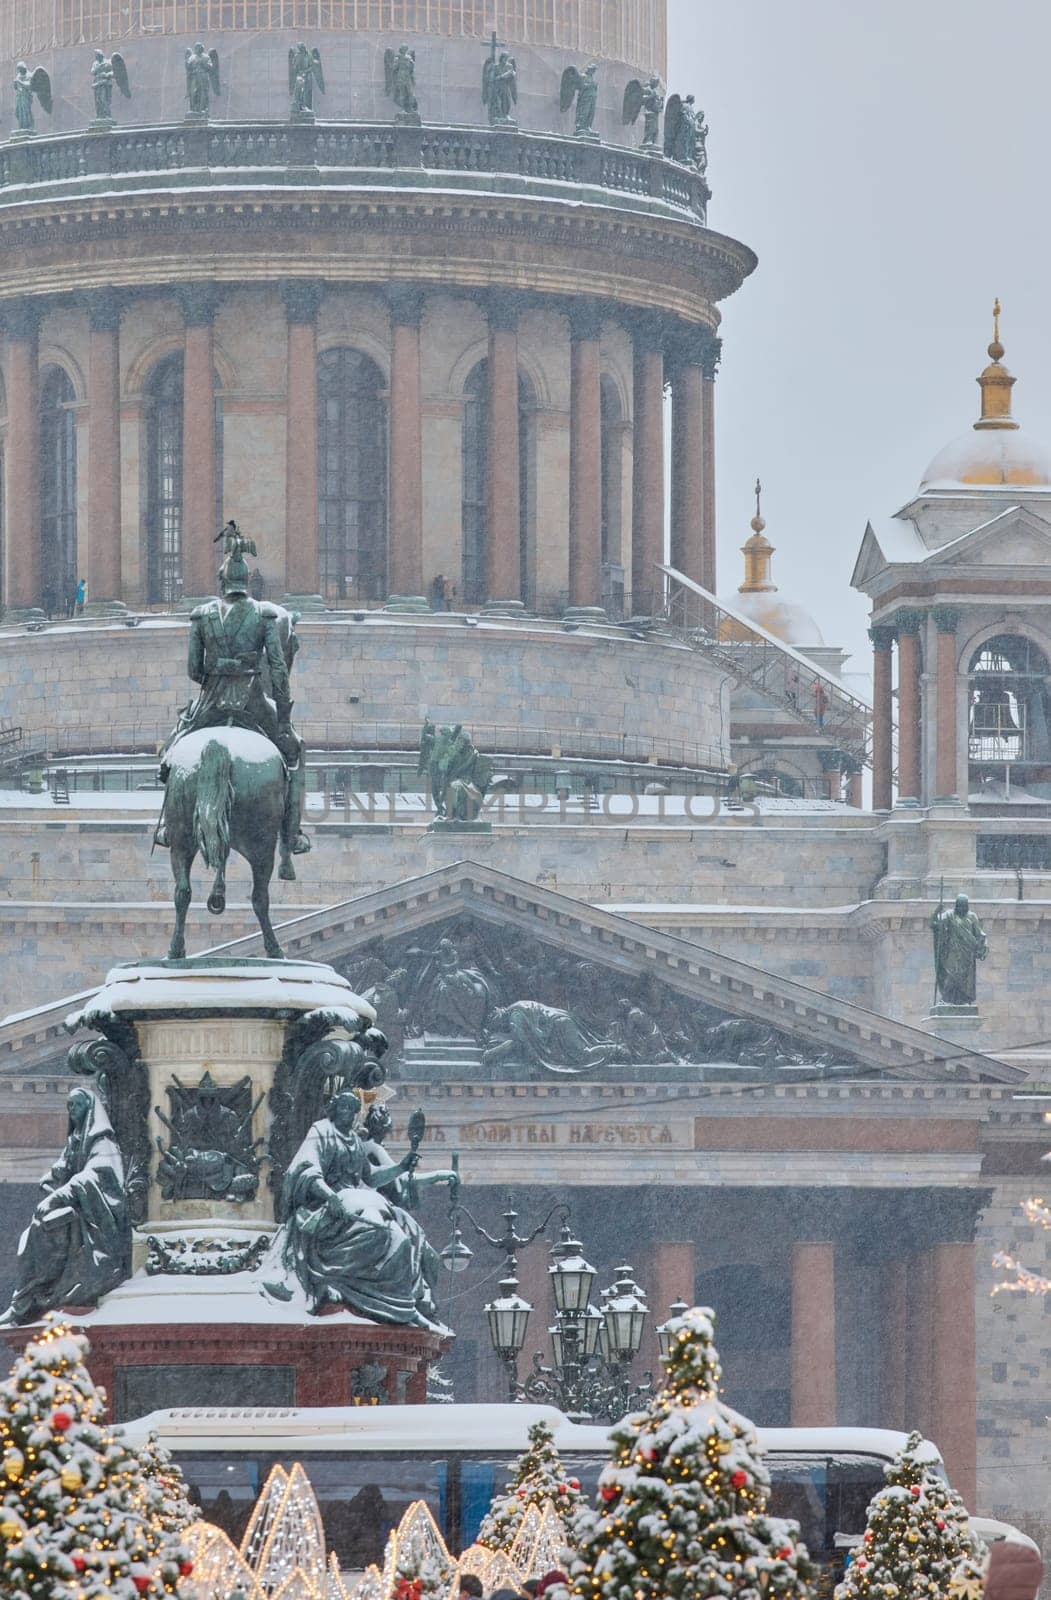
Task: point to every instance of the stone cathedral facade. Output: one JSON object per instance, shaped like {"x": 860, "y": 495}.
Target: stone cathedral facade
{"x": 430, "y": 365}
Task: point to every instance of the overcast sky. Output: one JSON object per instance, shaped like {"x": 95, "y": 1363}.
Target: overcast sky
{"x": 888, "y": 160}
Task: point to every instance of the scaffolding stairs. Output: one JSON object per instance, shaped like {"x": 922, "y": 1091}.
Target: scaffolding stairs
{"x": 815, "y": 699}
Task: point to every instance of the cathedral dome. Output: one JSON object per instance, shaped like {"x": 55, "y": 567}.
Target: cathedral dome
{"x": 758, "y": 598}
{"x": 995, "y": 453}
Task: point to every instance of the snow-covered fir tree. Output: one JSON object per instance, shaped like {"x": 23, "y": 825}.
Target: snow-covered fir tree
{"x": 178, "y": 1511}
{"x": 917, "y": 1541}
{"x": 681, "y": 1509}
{"x": 538, "y": 1478}
{"x": 79, "y": 1517}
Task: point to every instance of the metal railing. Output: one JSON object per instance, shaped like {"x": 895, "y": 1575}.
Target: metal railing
{"x": 402, "y": 739}
{"x": 230, "y": 151}
{"x": 755, "y": 659}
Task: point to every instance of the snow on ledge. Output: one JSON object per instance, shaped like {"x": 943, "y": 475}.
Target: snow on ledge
{"x": 221, "y": 986}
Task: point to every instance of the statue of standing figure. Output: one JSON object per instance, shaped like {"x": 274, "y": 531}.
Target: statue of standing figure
{"x": 685, "y": 133}
{"x": 202, "y": 79}
{"x": 460, "y": 776}
{"x": 30, "y": 86}
{"x": 108, "y": 72}
{"x": 399, "y": 67}
{"x": 500, "y": 88}
{"x": 583, "y": 87}
{"x": 646, "y": 99}
{"x": 959, "y": 944}
{"x": 304, "y": 72}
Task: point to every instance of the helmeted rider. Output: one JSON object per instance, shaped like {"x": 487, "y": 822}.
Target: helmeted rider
{"x": 234, "y": 641}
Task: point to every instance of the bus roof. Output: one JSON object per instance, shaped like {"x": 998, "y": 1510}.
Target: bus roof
{"x": 448, "y": 1427}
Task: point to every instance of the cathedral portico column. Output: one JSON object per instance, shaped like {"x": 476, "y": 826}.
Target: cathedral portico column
{"x": 710, "y": 365}
{"x": 909, "y": 624}
{"x": 893, "y": 1346}
{"x": 104, "y": 520}
{"x": 302, "y": 300}
{"x": 647, "y": 492}
{"x": 199, "y": 303}
{"x": 954, "y": 1414}
{"x": 946, "y": 621}
{"x": 405, "y": 557}
{"x": 691, "y": 359}
{"x": 585, "y": 455}
{"x": 22, "y": 363}
{"x": 882, "y": 718}
{"x": 670, "y": 1275}
{"x": 503, "y": 568}
{"x": 813, "y": 1361}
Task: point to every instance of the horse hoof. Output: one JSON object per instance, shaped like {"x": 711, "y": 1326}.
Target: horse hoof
{"x": 287, "y": 872}
{"x": 177, "y": 952}
{"x": 275, "y": 952}
{"x": 217, "y": 904}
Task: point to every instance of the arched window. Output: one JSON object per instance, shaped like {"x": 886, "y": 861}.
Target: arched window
{"x": 1010, "y": 711}
{"x": 475, "y": 501}
{"x": 58, "y": 491}
{"x": 352, "y": 476}
{"x": 612, "y": 419}
{"x": 164, "y": 478}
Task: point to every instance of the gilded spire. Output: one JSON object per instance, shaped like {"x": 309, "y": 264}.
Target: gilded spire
{"x": 996, "y": 384}
{"x": 758, "y": 553}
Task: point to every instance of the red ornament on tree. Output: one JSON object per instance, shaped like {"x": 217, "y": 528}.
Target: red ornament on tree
{"x": 563, "y": 1488}
{"x": 61, "y": 1420}
{"x": 861, "y": 1562}
{"x": 915, "y": 1491}
{"x": 141, "y": 1582}
{"x": 739, "y": 1479}
{"x": 784, "y": 1552}
{"x": 185, "y": 1568}
{"x": 79, "y": 1563}
{"x": 648, "y": 1455}
{"x": 609, "y": 1491}
{"x": 574, "y": 1483}
{"x": 867, "y": 1536}
{"x": 520, "y": 1493}
{"x": 939, "y": 1523}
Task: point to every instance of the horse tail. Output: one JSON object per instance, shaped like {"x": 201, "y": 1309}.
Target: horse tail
{"x": 215, "y": 798}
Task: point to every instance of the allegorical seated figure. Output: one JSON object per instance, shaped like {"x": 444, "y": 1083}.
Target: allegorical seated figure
{"x": 346, "y": 1241}
{"x": 234, "y": 641}
{"x": 77, "y": 1246}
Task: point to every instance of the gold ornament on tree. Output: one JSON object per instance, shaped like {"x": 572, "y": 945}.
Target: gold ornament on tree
{"x": 71, "y": 1479}
{"x": 14, "y": 1463}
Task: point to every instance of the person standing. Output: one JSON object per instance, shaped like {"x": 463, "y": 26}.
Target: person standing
{"x": 80, "y": 596}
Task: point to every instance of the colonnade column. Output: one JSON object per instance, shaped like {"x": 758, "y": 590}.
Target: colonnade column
{"x": 104, "y": 520}
{"x": 687, "y": 455}
{"x": 909, "y": 624}
{"x": 954, "y": 1407}
{"x": 918, "y": 1342}
{"x": 302, "y": 570}
{"x": 893, "y": 1348}
{"x": 710, "y": 365}
{"x": 405, "y": 559}
{"x": 813, "y": 1375}
{"x": 647, "y": 492}
{"x": 946, "y": 620}
{"x": 199, "y": 551}
{"x": 670, "y": 1275}
{"x": 585, "y": 456}
{"x": 882, "y": 718}
{"x": 503, "y": 568}
{"x": 22, "y": 331}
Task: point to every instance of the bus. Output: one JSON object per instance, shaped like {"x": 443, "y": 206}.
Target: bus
{"x": 368, "y": 1463}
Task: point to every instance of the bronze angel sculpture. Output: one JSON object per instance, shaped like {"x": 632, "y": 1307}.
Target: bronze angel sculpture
{"x": 108, "y": 72}
{"x": 582, "y": 87}
{"x": 202, "y": 78}
{"x": 399, "y": 69}
{"x": 647, "y": 100}
{"x": 685, "y": 131}
{"x": 500, "y": 88}
{"x": 304, "y": 74}
{"x": 30, "y": 85}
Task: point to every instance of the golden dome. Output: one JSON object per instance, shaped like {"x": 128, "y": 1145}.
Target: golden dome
{"x": 758, "y": 599}
{"x": 996, "y": 453}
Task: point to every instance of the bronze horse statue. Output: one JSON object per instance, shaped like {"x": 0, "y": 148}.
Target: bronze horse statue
{"x": 226, "y": 791}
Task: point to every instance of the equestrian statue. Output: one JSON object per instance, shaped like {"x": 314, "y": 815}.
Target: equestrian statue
{"x": 234, "y": 768}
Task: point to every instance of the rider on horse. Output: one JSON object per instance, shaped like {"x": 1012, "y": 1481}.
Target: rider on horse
{"x": 231, "y": 641}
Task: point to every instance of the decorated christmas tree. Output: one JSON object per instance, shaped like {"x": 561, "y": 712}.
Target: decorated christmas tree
{"x": 177, "y": 1512}
{"x": 917, "y": 1541}
{"x": 682, "y": 1505}
{"x": 538, "y": 1478}
{"x": 79, "y": 1517}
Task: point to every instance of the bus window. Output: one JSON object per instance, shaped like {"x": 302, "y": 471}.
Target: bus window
{"x": 226, "y": 1489}
{"x": 484, "y": 1477}
{"x": 798, "y": 1490}
{"x": 852, "y": 1482}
